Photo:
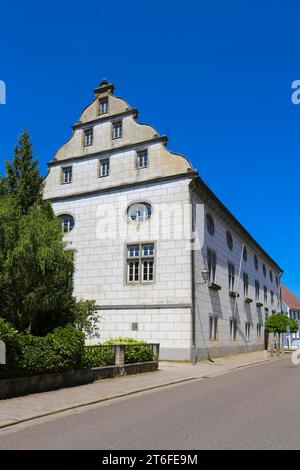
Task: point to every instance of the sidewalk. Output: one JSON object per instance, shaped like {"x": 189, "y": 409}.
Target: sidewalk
{"x": 17, "y": 410}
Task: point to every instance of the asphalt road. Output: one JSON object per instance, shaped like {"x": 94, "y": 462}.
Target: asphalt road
{"x": 254, "y": 408}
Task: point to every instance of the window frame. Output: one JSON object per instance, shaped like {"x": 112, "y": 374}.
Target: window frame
{"x": 141, "y": 258}
{"x": 61, "y": 218}
{"x": 245, "y": 284}
{"x": 141, "y": 154}
{"x": 88, "y": 133}
{"x": 114, "y": 124}
{"x": 213, "y": 325}
{"x": 211, "y": 255}
{"x": 101, "y": 101}
{"x": 102, "y": 161}
{"x": 231, "y": 276}
{"x": 63, "y": 174}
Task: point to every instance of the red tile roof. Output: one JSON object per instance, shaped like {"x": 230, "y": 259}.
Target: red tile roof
{"x": 289, "y": 298}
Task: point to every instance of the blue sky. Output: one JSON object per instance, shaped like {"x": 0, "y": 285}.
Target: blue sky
{"x": 214, "y": 76}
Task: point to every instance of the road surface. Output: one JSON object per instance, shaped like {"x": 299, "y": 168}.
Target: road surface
{"x": 256, "y": 407}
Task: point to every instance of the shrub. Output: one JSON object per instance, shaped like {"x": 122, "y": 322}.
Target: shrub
{"x": 28, "y": 354}
{"x": 133, "y": 351}
{"x": 96, "y": 356}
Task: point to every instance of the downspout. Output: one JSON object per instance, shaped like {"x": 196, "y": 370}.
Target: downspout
{"x": 193, "y": 286}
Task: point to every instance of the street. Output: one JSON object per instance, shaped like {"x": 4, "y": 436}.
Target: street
{"x": 253, "y": 408}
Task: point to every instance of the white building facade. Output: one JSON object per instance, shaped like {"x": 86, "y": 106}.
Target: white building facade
{"x": 144, "y": 227}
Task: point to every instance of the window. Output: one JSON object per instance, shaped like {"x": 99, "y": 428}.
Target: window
{"x": 265, "y": 294}
{"x": 140, "y": 263}
{"x": 258, "y": 330}
{"x": 103, "y": 105}
{"x": 264, "y": 270}
{"x": 233, "y": 329}
{"x": 139, "y": 212}
{"x": 257, "y": 290}
{"x": 256, "y": 262}
{"x": 247, "y": 330}
{"x": 277, "y": 281}
{"x": 88, "y": 137}
{"x": 104, "y": 167}
{"x": 213, "y": 328}
{"x": 117, "y": 130}
{"x": 246, "y": 284}
{"x": 229, "y": 240}
{"x": 211, "y": 265}
{"x": 67, "y": 175}
{"x": 245, "y": 254}
{"x": 210, "y": 225}
{"x": 142, "y": 159}
{"x": 272, "y": 297}
{"x": 231, "y": 276}
{"x": 271, "y": 275}
{"x": 67, "y": 222}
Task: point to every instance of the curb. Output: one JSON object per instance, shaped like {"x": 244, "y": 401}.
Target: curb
{"x": 17, "y": 421}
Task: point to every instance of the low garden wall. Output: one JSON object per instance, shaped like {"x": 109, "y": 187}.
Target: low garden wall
{"x": 115, "y": 360}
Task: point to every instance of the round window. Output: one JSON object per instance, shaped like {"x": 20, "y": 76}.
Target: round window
{"x": 229, "y": 240}
{"x": 210, "y": 225}
{"x": 67, "y": 222}
{"x": 139, "y": 212}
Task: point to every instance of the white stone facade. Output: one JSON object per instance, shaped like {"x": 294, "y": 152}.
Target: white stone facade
{"x": 172, "y": 308}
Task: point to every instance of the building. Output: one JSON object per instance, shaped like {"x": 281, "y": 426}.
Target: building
{"x": 147, "y": 231}
{"x": 291, "y": 306}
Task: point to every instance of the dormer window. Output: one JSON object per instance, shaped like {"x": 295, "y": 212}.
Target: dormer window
{"x": 67, "y": 175}
{"x": 117, "y": 130}
{"x": 88, "y": 137}
{"x": 142, "y": 159}
{"x": 103, "y": 106}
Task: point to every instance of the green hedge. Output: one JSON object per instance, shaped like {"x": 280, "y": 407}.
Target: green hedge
{"x": 96, "y": 356}
{"x": 28, "y": 354}
{"x": 135, "y": 351}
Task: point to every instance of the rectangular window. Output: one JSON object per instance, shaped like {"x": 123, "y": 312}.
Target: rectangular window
{"x": 247, "y": 330}
{"x": 265, "y": 294}
{"x": 88, "y": 137}
{"x": 117, "y": 130}
{"x": 258, "y": 330}
{"x": 103, "y": 106}
{"x": 246, "y": 284}
{"x": 67, "y": 175}
{"x": 104, "y": 167}
{"x": 142, "y": 159}
{"x": 257, "y": 290}
{"x": 213, "y": 328}
{"x": 211, "y": 265}
{"x": 140, "y": 263}
{"x": 231, "y": 276}
{"x": 272, "y": 297}
{"x": 233, "y": 329}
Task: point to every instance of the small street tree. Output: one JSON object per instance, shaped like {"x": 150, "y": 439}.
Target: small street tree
{"x": 278, "y": 323}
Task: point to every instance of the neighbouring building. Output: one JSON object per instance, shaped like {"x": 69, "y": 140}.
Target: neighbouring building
{"x": 147, "y": 231}
{"x": 291, "y": 306}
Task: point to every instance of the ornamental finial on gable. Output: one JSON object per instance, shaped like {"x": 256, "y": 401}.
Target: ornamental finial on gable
{"x": 104, "y": 87}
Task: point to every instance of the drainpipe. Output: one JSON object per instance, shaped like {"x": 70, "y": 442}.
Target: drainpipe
{"x": 193, "y": 286}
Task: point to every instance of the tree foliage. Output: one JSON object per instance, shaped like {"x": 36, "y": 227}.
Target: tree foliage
{"x": 23, "y": 178}
{"x": 278, "y": 323}
{"x": 36, "y": 268}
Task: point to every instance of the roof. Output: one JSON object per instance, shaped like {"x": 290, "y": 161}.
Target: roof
{"x": 290, "y": 299}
